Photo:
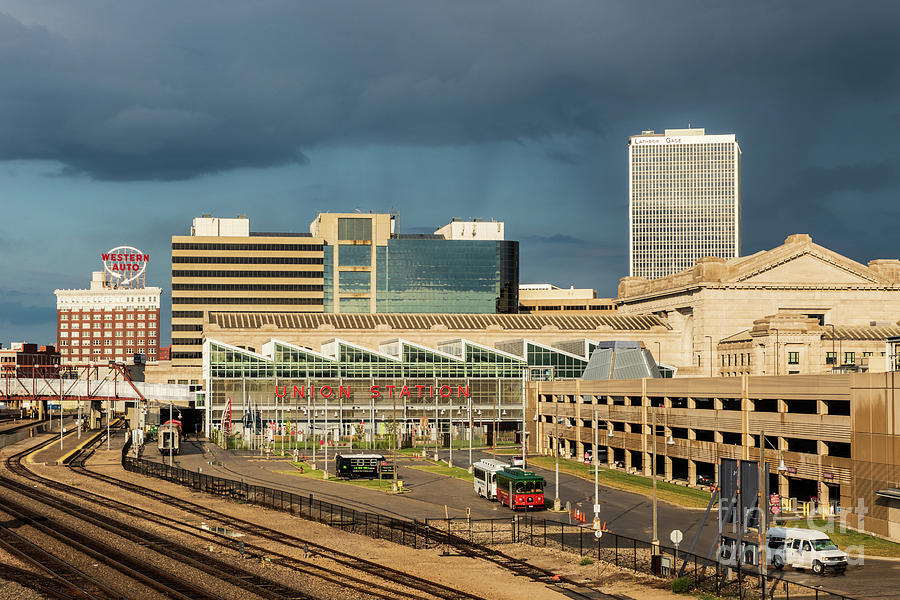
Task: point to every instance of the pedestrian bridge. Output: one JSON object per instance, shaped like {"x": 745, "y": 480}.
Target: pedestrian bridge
{"x": 94, "y": 384}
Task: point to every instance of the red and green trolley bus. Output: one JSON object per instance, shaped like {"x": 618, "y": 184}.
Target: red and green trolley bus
{"x": 517, "y": 488}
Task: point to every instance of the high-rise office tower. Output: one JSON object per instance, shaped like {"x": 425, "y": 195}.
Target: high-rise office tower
{"x": 684, "y": 200}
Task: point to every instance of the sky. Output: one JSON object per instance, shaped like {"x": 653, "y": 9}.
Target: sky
{"x": 122, "y": 121}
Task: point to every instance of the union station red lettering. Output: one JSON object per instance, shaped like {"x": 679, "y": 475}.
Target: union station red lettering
{"x": 376, "y": 391}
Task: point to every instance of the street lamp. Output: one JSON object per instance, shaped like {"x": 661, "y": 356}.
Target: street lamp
{"x": 710, "y": 357}
{"x": 394, "y": 487}
{"x": 654, "y": 543}
{"x": 596, "y": 470}
{"x": 171, "y": 434}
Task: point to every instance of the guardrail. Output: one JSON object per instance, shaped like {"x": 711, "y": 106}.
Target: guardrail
{"x": 623, "y": 551}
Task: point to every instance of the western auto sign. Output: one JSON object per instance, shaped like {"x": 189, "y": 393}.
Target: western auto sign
{"x": 125, "y": 264}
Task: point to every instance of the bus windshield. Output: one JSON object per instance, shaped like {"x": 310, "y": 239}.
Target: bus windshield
{"x": 529, "y": 487}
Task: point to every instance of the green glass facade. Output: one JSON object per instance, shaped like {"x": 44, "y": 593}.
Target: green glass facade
{"x": 428, "y": 275}
{"x": 460, "y": 377}
{"x": 452, "y": 276}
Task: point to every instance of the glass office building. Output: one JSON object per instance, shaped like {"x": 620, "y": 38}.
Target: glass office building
{"x": 423, "y": 274}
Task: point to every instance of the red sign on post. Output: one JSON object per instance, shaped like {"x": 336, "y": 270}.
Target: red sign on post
{"x": 775, "y": 503}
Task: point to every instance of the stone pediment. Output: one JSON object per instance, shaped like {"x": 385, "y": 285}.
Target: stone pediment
{"x": 809, "y": 267}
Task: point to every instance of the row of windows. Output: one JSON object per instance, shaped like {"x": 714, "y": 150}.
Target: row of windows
{"x": 249, "y": 287}
{"x": 187, "y": 327}
{"x": 248, "y": 260}
{"x": 178, "y": 300}
{"x": 105, "y": 342}
{"x": 108, "y": 316}
{"x": 187, "y": 341}
{"x": 248, "y": 247}
{"x": 110, "y": 351}
{"x": 187, "y": 314}
{"x": 104, "y": 324}
{"x": 267, "y": 274}
{"x": 98, "y": 334}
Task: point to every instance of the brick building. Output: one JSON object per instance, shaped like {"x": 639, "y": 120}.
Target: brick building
{"x": 106, "y": 323}
{"x": 22, "y": 359}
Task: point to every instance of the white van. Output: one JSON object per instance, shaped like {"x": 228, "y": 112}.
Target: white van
{"x": 485, "y": 472}
{"x": 804, "y": 549}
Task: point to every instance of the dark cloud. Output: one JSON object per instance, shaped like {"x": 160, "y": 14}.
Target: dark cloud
{"x": 12, "y": 311}
{"x": 172, "y": 90}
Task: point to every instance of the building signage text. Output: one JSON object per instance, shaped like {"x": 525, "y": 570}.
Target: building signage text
{"x": 376, "y": 391}
{"x": 124, "y": 264}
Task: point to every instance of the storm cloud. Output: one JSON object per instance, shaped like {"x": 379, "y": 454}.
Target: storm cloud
{"x": 120, "y": 121}
{"x": 173, "y": 90}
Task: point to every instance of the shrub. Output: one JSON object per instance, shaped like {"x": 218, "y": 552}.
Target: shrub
{"x": 681, "y": 585}
{"x": 587, "y": 560}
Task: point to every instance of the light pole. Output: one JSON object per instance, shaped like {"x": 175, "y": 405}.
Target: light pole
{"x": 654, "y": 543}
{"x": 60, "y": 410}
{"x": 437, "y": 429}
{"x": 556, "y": 502}
{"x": 597, "y": 471}
{"x": 450, "y": 420}
{"x": 710, "y": 356}
{"x": 325, "y": 464}
{"x": 763, "y": 513}
{"x": 471, "y": 428}
{"x": 394, "y": 487}
{"x": 171, "y": 434}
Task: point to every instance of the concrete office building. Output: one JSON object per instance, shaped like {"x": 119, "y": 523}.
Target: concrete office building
{"x": 224, "y": 266}
{"x": 684, "y": 200}
{"x": 836, "y": 434}
{"x": 106, "y": 322}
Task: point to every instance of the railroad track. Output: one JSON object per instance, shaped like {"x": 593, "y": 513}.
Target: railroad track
{"x": 8, "y": 430}
{"x": 415, "y": 588}
{"x": 518, "y": 567}
{"x": 144, "y": 573}
{"x": 60, "y": 579}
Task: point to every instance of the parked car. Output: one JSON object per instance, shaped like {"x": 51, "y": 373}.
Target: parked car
{"x": 705, "y": 481}
{"x": 517, "y": 461}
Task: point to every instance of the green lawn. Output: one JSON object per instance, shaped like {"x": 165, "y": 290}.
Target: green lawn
{"x": 872, "y": 545}
{"x": 383, "y": 485}
{"x": 668, "y": 492}
{"x": 443, "y": 469}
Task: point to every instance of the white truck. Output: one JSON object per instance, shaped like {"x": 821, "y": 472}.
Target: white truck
{"x": 804, "y": 549}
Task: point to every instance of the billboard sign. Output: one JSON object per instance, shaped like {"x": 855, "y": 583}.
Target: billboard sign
{"x": 124, "y": 264}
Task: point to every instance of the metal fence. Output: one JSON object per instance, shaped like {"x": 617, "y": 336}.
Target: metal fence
{"x": 626, "y": 552}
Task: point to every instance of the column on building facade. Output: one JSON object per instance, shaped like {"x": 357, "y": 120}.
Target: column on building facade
{"x": 746, "y": 434}
{"x": 667, "y": 431}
